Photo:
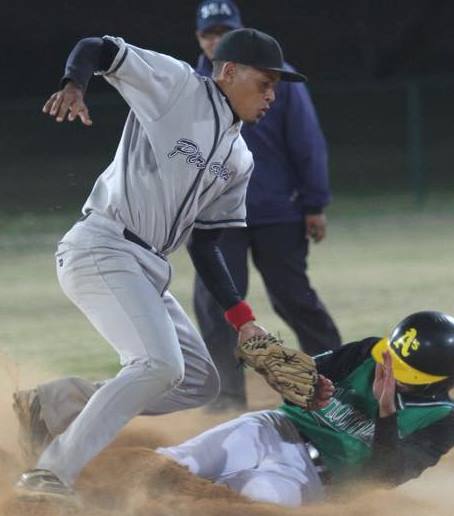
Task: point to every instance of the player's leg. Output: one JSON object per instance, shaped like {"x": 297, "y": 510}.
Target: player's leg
{"x": 48, "y": 410}
{"x": 259, "y": 455}
{"x": 282, "y": 487}
{"x": 224, "y": 450}
{"x": 200, "y": 383}
{"x": 62, "y": 400}
{"x": 219, "y": 337}
{"x": 279, "y": 251}
{"x": 112, "y": 290}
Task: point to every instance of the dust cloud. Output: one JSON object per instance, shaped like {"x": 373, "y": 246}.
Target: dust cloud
{"x": 130, "y": 479}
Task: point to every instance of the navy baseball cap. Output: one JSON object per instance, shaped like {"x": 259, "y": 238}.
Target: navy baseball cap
{"x": 212, "y": 13}
{"x": 254, "y": 48}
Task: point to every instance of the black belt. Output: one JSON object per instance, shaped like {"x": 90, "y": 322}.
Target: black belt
{"x": 129, "y": 235}
{"x": 132, "y": 237}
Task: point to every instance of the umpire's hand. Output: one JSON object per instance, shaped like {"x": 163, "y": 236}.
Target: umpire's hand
{"x": 316, "y": 227}
{"x": 68, "y": 102}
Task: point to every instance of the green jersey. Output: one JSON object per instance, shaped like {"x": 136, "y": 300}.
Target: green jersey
{"x": 343, "y": 432}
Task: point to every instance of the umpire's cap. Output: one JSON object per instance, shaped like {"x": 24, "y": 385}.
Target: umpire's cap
{"x": 421, "y": 348}
{"x": 213, "y": 13}
{"x": 254, "y": 48}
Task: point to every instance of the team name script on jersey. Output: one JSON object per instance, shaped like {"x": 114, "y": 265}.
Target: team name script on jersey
{"x": 188, "y": 148}
{"x": 343, "y": 417}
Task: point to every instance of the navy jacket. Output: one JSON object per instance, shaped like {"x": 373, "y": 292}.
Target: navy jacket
{"x": 290, "y": 177}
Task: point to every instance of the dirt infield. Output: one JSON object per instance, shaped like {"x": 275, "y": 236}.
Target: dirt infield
{"x": 130, "y": 479}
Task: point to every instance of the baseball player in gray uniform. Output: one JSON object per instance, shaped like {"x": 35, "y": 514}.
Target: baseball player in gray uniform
{"x": 181, "y": 166}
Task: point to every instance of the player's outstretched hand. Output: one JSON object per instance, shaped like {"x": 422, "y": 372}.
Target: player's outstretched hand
{"x": 384, "y": 386}
{"x": 68, "y": 102}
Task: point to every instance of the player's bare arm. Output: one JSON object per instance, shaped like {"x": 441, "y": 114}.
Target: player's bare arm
{"x": 68, "y": 103}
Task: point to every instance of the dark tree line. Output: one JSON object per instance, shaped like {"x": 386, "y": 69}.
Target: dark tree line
{"x": 328, "y": 39}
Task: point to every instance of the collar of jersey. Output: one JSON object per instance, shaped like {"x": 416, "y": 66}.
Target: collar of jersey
{"x": 235, "y": 117}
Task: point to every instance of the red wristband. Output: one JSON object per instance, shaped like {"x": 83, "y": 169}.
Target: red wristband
{"x": 239, "y": 314}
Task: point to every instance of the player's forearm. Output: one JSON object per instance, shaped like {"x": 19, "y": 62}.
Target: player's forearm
{"x": 90, "y": 55}
{"x": 385, "y": 465}
{"x": 393, "y": 460}
{"x": 396, "y": 460}
{"x": 212, "y": 269}
{"x": 338, "y": 364}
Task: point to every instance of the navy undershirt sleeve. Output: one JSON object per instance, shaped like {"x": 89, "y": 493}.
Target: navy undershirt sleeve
{"x": 211, "y": 267}
{"x": 90, "y": 55}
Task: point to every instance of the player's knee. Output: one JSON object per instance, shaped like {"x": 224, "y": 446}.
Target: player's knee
{"x": 171, "y": 372}
{"x": 174, "y": 374}
{"x": 168, "y": 372}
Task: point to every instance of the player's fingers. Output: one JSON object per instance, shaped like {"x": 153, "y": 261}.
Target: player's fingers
{"x": 54, "y": 110}
{"x": 54, "y": 103}
{"x": 74, "y": 110}
{"x": 391, "y": 384}
{"x": 49, "y": 103}
{"x": 326, "y": 382}
{"x": 325, "y": 388}
{"x": 322, "y": 404}
{"x": 64, "y": 108}
{"x": 389, "y": 374}
{"x": 328, "y": 390}
{"x": 388, "y": 364}
{"x": 84, "y": 116}
{"x": 379, "y": 372}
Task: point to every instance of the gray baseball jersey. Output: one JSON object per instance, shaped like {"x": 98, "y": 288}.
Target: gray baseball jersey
{"x": 181, "y": 162}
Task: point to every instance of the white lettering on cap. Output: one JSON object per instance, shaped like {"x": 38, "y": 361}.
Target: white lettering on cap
{"x": 215, "y": 9}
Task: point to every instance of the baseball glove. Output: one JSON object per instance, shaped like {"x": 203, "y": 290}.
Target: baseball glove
{"x": 290, "y": 372}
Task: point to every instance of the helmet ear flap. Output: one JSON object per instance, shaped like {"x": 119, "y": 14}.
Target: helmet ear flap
{"x": 434, "y": 389}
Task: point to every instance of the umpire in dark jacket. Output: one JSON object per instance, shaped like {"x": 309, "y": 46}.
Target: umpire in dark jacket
{"x": 286, "y": 196}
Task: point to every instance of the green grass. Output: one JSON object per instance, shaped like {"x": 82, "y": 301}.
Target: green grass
{"x": 382, "y": 260}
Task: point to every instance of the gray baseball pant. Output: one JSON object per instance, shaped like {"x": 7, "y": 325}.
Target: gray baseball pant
{"x": 260, "y": 455}
{"x": 122, "y": 289}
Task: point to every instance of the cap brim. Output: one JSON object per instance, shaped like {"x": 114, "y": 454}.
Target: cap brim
{"x": 402, "y": 371}
{"x": 286, "y": 75}
{"x": 231, "y": 25}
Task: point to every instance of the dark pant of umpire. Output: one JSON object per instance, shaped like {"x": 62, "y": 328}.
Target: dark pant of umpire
{"x": 279, "y": 252}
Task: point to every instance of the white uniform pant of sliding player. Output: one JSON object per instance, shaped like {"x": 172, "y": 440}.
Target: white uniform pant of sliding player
{"x": 260, "y": 455}
{"x": 121, "y": 288}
